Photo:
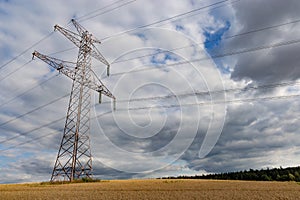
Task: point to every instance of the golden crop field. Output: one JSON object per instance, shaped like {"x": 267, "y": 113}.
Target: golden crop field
{"x": 155, "y": 189}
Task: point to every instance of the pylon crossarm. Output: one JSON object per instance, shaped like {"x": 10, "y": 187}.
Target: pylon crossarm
{"x": 76, "y": 38}
{"x": 81, "y": 30}
{"x": 57, "y": 64}
{"x": 97, "y": 55}
{"x": 63, "y": 68}
{"x": 73, "y": 37}
{"x": 101, "y": 88}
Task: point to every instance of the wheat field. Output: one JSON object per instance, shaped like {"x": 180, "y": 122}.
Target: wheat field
{"x": 154, "y": 189}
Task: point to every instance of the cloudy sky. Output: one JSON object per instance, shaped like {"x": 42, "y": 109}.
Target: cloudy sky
{"x": 202, "y": 86}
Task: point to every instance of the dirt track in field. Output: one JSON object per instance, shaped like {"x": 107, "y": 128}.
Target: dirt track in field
{"x": 155, "y": 189}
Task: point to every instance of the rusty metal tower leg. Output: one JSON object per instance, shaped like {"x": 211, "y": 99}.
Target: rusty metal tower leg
{"x": 74, "y": 158}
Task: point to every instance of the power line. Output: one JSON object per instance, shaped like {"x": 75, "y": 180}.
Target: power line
{"x": 211, "y": 41}
{"x": 124, "y": 4}
{"x": 201, "y": 43}
{"x": 196, "y": 93}
{"x": 214, "y": 56}
{"x": 235, "y": 100}
{"x": 99, "y": 9}
{"x": 30, "y": 61}
{"x": 30, "y": 131}
{"x": 43, "y": 136}
{"x": 167, "y": 19}
{"x": 201, "y": 93}
{"x": 130, "y": 31}
{"x": 23, "y": 52}
{"x": 62, "y": 51}
{"x": 214, "y": 8}
{"x": 280, "y": 44}
{"x": 14, "y": 71}
{"x": 215, "y": 102}
{"x": 44, "y": 38}
{"x": 80, "y": 19}
{"x": 168, "y": 106}
{"x": 31, "y": 111}
{"x": 25, "y": 92}
{"x": 210, "y": 103}
{"x": 29, "y": 141}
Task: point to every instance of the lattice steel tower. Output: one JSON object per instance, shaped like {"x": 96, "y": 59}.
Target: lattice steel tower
{"x": 74, "y": 158}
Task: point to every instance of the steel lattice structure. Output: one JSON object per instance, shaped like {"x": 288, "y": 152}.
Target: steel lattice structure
{"x": 74, "y": 158}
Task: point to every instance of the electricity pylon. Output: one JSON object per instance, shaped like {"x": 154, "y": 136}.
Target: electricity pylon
{"x": 74, "y": 158}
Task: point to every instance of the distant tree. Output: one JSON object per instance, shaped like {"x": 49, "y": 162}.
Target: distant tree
{"x": 291, "y": 177}
{"x": 284, "y": 178}
{"x": 276, "y": 174}
{"x": 265, "y": 177}
{"x": 297, "y": 176}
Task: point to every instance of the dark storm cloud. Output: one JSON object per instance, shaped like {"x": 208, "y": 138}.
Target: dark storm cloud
{"x": 254, "y": 136}
{"x": 101, "y": 171}
{"x": 271, "y": 65}
{"x": 258, "y": 134}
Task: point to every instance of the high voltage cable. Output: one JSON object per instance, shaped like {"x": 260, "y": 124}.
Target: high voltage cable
{"x": 30, "y": 131}
{"x": 213, "y": 102}
{"x": 169, "y": 106}
{"x": 280, "y": 44}
{"x": 38, "y": 108}
{"x": 214, "y": 8}
{"x": 28, "y": 90}
{"x": 127, "y": 32}
{"x": 97, "y": 10}
{"x": 213, "y": 56}
{"x": 124, "y": 4}
{"x": 187, "y": 94}
{"x": 199, "y": 93}
{"x": 23, "y": 52}
{"x": 167, "y": 19}
{"x": 40, "y": 42}
{"x": 62, "y": 51}
{"x": 221, "y": 55}
{"x": 79, "y": 19}
{"x": 48, "y": 35}
{"x": 14, "y": 71}
{"x": 29, "y": 141}
{"x": 195, "y": 93}
{"x": 201, "y": 43}
{"x": 211, "y": 41}
{"x": 43, "y": 136}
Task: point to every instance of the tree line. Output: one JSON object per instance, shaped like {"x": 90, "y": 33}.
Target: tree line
{"x": 275, "y": 174}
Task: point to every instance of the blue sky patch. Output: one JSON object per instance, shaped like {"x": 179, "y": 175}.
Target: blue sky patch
{"x": 141, "y": 36}
{"x": 161, "y": 58}
{"x": 214, "y": 37}
{"x": 179, "y": 28}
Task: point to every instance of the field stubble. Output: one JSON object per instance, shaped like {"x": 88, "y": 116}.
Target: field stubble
{"x": 155, "y": 189}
